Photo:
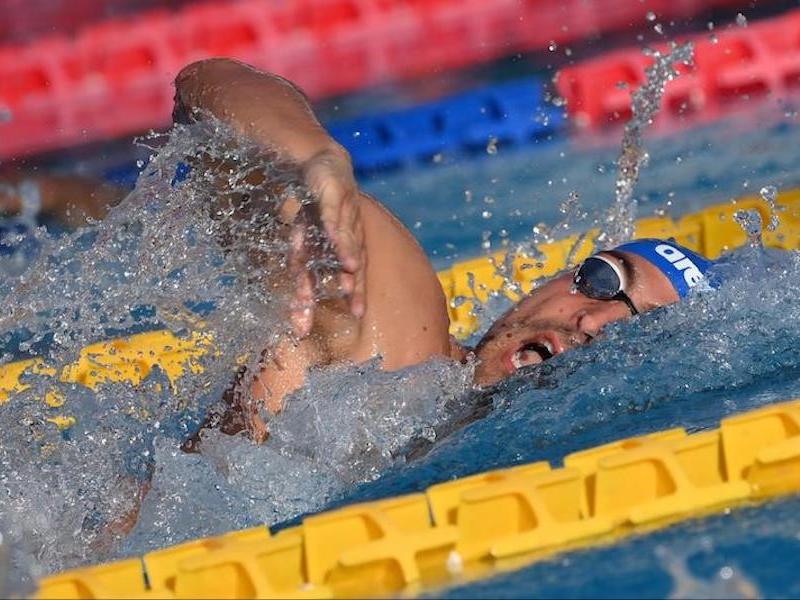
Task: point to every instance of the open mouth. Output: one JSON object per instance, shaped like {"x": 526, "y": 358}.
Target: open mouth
{"x": 534, "y": 352}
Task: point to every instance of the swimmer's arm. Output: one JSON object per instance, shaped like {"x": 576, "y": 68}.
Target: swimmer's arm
{"x": 274, "y": 112}
{"x": 263, "y": 106}
{"x": 71, "y": 199}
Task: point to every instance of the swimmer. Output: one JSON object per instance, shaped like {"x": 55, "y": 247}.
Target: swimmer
{"x": 393, "y": 304}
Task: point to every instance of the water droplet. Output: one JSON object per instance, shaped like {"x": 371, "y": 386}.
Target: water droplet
{"x": 751, "y": 224}
{"x": 455, "y": 564}
{"x": 770, "y": 195}
{"x": 486, "y": 214}
{"x": 491, "y": 147}
{"x": 658, "y": 28}
{"x": 552, "y": 46}
{"x": 741, "y": 20}
{"x": 458, "y": 301}
{"x": 651, "y": 16}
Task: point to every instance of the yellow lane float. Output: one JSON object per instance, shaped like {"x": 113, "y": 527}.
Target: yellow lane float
{"x": 473, "y": 527}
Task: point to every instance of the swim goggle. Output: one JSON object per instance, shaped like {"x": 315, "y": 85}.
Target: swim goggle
{"x": 600, "y": 278}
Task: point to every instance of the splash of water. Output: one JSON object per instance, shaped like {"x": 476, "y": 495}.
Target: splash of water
{"x": 718, "y": 351}
{"x": 617, "y": 225}
{"x": 729, "y": 582}
{"x": 195, "y": 247}
{"x": 645, "y": 102}
{"x": 751, "y": 224}
{"x": 769, "y": 193}
{"x": 189, "y": 255}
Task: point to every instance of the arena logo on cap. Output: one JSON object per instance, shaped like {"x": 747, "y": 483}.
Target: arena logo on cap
{"x": 691, "y": 273}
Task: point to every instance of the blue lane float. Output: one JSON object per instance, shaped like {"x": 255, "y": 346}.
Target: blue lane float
{"x": 513, "y": 113}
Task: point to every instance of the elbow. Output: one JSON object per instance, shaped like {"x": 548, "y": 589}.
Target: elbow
{"x": 195, "y": 83}
{"x": 206, "y": 71}
{"x": 218, "y": 70}
{"x": 205, "y": 83}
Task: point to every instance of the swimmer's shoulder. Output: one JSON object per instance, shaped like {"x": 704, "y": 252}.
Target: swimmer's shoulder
{"x": 406, "y": 320}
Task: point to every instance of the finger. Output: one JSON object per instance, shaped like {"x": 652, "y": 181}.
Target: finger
{"x": 302, "y": 306}
{"x": 348, "y": 238}
{"x": 302, "y": 321}
{"x": 348, "y": 251}
{"x": 346, "y": 283}
{"x": 358, "y": 296}
{"x": 301, "y": 313}
{"x": 332, "y": 195}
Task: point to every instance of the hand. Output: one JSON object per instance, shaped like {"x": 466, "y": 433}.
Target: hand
{"x": 9, "y": 199}
{"x": 329, "y": 176}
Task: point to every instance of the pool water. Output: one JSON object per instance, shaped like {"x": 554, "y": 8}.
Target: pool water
{"x": 356, "y": 433}
{"x": 659, "y": 372}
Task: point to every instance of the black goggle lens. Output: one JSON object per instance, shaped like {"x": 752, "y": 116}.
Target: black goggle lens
{"x": 597, "y": 279}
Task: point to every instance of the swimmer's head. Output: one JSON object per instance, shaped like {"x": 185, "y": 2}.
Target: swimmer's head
{"x": 573, "y": 308}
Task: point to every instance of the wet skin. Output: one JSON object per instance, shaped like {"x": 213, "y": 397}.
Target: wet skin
{"x": 555, "y": 318}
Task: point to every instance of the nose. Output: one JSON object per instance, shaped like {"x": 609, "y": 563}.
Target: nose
{"x": 595, "y": 315}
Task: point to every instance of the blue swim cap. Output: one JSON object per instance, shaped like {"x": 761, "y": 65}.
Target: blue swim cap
{"x": 683, "y": 268}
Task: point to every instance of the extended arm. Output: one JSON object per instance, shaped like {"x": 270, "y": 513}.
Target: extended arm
{"x": 71, "y": 199}
{"x": 273, "y": 112}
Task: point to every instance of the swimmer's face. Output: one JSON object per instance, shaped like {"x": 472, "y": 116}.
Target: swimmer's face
{"x": 553, "y": 318}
